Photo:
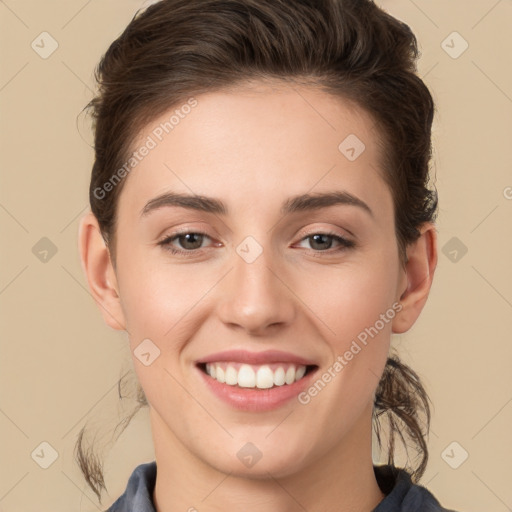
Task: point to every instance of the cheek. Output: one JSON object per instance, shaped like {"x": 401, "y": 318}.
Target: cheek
{"x": 354, "y": 306}
{"x": 159, "y": 298}
{"x": 349, "y": 298}
{"x": 355, "y": 311}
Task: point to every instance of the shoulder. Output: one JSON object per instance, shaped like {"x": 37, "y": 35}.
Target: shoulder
{"x": 401, "y": 494}
{"x": 138, "y": 495}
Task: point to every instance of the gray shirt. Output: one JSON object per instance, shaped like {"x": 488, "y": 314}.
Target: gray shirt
{"x": 401, "y": 494}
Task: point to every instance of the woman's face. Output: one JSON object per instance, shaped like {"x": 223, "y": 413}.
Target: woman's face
{"x": 264, "y": 273}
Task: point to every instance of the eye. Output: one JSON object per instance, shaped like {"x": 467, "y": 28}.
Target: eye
{"x": 323, "y": 241}
{"x": 190, "y": 241}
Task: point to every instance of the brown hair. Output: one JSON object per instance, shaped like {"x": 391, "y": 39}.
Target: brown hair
{"x": 351, "y": 49}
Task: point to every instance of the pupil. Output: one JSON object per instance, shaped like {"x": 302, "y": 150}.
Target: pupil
{"x": 187, "y": 240}
{"x": 315, "y": 240}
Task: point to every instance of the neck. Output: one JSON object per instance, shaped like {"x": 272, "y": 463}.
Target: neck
{"x": 340, "y": 480}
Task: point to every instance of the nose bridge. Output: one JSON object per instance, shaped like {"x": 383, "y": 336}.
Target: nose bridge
{"x": 254, "y": 296}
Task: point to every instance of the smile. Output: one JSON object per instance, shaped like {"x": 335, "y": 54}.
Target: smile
{"x": 241, "y": 391}
{"x": 255, "y": 376}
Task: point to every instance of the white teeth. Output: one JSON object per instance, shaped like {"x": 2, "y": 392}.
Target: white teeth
{"x": 290, "y": 375}
{"x": 264, "y": 377}
{"x": 279, "y": 376}
{"x": 231, "y": 376}
{"x": 218, "y": 373}
{"x": 211, "y": 370}
{"x": 300, "y": 372}
{"x": 246, "y": 377}
{"x": 261, "y": 377}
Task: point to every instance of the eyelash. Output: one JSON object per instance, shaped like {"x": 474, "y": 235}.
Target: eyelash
{"x": 165, "y": 243}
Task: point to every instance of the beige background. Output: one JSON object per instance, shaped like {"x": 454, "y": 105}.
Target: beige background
{"x": 60, "y": 363}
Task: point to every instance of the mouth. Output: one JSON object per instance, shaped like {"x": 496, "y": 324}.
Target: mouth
{"x": 256, "y": 376}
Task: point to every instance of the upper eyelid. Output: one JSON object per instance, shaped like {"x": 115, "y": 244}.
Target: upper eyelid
{"x": 306, "y": 231}
{"x": 325, "y": 231}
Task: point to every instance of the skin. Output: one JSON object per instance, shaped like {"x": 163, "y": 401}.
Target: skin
{"x": 253, "y": 148}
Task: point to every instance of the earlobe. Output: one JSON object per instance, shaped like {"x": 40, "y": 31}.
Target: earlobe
{"x": 100, "y": 274}
{"x": 419, "y": 275}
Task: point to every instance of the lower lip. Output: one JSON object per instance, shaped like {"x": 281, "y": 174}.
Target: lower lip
{"x": 254, "y": 399}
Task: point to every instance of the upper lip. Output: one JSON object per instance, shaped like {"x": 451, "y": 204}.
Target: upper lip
{"x": 266, "y": 357}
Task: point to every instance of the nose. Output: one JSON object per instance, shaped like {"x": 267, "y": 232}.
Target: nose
{"x": 255, "y": 297}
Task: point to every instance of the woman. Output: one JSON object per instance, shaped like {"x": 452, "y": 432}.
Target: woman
{"x": 260, "y": 224}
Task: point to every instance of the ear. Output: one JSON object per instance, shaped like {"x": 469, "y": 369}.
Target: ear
{"x": 417, "y": 278}
{"x": 98, "y": 268}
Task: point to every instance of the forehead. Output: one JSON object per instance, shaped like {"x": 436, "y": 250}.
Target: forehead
{"x": 260, "y": 140}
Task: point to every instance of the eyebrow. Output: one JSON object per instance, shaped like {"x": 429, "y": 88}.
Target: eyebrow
{"x": 299, "y": 203}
